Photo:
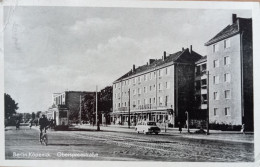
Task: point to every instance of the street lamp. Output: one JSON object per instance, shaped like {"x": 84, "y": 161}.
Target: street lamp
{"x": 129, "y": 109}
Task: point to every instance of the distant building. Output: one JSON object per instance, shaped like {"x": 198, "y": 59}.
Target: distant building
{"x": 161, "y": 91}
{"x": 66, "y": 106}
{"x": 230, "y": 66}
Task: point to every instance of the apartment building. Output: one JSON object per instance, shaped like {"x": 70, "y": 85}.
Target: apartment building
{"x": 230, "y": 66}
{"x": 161, "y": 90}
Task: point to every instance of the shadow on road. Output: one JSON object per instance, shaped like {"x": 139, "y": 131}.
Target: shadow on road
{"x": 68, "y": 144}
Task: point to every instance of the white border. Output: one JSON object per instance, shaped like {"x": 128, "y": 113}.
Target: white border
{"x": 254, "y": 6}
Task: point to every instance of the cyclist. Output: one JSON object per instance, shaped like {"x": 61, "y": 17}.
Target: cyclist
{"x": 43, "y": 122}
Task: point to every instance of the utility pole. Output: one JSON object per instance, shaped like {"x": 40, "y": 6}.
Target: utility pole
{"x": 188, "y": 121}
{"x": 129, "y": 109}
{"x": 80, "y": 109}
{"x": 97, "y": 121}
{"x": 207, "y": 103}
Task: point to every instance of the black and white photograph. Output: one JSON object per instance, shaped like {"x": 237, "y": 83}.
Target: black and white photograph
{"x": 112, "y": 83}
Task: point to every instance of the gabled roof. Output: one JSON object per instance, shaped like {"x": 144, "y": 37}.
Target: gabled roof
{"x": 229, "y": 31}
{"x": 183, "y": 56}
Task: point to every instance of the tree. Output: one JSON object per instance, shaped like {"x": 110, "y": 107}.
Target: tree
{"x": 33, "y": 115}
{"x": 38, "y": 113}
{"x": 106, "y": 103}
{"x": 10, "y": 106}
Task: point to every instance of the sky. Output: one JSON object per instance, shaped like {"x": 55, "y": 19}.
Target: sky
{"x": 52, "y": 49}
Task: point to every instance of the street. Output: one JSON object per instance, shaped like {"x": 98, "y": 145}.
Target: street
{"x": 123, "y": 145}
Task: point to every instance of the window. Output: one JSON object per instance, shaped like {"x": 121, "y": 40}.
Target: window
{"x": 118, "y": 105}
{"x": 160, "y": 101}
{"x": 215, "y": 47}
{"x": 144, "y": 101}
{"x": 150, "y": 101}
{"x": 134, "y": 92}
{"x": 154, "y": 74}
{"x": 138, "y": 102}
{"x": 125, "y": 104}
{"x": 216, "y": 96}
{"x": 166, "y": 71}
{"x": 215, "y": 111}
{"x": 133, "y": 103}
{"x": 154, "y": 100}
{"x": 226, "y": 43}
{"x": 139, "y": 79}
{"x": 133, "y": 80}
{"x": 227, "y": 94}
{"x": 144, "y": 77}
{"x": 216, "y": 63}
{"x": 159, "y": 86}
{"x": 139, "y": 91}
{"x": 144, "y": 89}
{"x": 115, "y": 86}
{"x": 166, "y": 100}
{"x": 227, "y": 110}
{"x": 226, "y": 60}
{"x": 159, "y": 73}
{"x": 151, "y": 88}
{"x": 216, "y": 79}
{"x": 227, "y": 77}
{"x": 151, "y": 76}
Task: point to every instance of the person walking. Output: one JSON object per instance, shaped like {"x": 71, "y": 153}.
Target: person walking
{"x": 243, "y": 128}
{"x": 180, "y": 128}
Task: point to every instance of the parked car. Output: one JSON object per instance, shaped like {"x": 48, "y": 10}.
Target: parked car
{"x": 147, "y": 127}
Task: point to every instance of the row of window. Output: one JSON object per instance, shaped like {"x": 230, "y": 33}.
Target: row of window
{"x": 226, "y": 45}
{"x": 145, "y": 89}
{"x": 145, "y": 77}
{"x": 227, "y": 78}
{"x": 226, "y": 111}
{"x": 151, "y": 101}
{"x": 227, "y": 95}
{"x": 226, "y": 61}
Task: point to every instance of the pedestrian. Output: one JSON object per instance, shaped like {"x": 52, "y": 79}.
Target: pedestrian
{"x": 243, "y": 128}
{"x": 17, "y": 123}
{"x": 180, "y": 128}
{"x": 31, "y": 122}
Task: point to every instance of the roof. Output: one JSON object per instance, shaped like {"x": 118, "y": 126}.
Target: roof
{"x": 183, "y": 56}
{"x": 228, "y": 31}
{"x": 203, "y": 59}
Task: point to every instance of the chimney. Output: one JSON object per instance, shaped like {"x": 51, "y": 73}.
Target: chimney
{"x": 182, "y": 48}
{"x": 190, "y": 48}
{"x": 151, "y": 61}
{"x": 164, "y": 55}
{"x": 133, "y": 67}
{"x": 234, "y": 18}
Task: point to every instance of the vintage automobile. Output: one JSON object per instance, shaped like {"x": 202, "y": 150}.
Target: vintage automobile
{"x": 147, "y": 127}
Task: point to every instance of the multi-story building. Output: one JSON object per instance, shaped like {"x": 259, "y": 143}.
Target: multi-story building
{"x": 162, "y": 90}
{"x": 66, "y": 105}
{"x": 230, "y": 66}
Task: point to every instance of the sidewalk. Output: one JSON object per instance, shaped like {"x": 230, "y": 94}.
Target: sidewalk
{"x": 217, "y": 135}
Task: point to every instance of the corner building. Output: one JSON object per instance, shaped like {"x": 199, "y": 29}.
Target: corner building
{"x": 160, "y": 91}
{"x": 230, "y": 66}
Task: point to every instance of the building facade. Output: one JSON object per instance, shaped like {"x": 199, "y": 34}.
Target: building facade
{"x": 66, "y": 105}
{"x": 230, "y": 66}
{"x": 161, "y": 91}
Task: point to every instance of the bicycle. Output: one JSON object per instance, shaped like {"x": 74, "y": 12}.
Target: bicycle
{"x": 44, "y": 137}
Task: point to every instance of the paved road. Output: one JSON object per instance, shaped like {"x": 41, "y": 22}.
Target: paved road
{"x": 115, "y": 145}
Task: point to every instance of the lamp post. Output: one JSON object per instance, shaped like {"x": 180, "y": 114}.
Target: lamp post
{"x": 97, "y": 121}
{"x": 129, "y": 109}
{"x": 188, "y": 124}
{"x": 207, "y": 133}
